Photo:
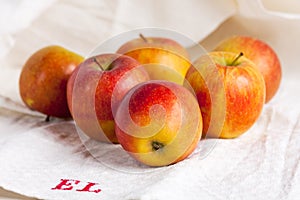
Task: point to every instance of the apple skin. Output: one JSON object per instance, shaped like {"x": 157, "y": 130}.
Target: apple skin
{"x": 159, "y": 123}
{"x": 169, "y": 60}
{"x": 244, "y": 93}
{"x": 93, "y": 94}
{"x": 262, "y": 55}
{"x": 43, "y": 80}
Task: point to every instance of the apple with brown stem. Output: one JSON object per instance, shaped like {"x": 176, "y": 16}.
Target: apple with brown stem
{"x": 163, "y": 58}
{"x": 159, "y": 123}
{"x": 244, "y": 91}
{"x": 262, "y": 55}
{"x": 93, "y": 96}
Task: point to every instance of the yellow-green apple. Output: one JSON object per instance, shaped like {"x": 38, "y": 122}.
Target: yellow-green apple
{"x": 166, "y": 59}
{"x": 91, "y": 88}
{"x": 243, "y": 90}
{"x": 159, "y": 122}
{"x": 43, "y": 80}
{"x": 261, "y": 54}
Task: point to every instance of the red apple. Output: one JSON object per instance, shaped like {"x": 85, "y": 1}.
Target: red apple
{"x": 239, "y": 98}
{"x": 159, "y": 123}
{"x": 262, "y": 55}
{"x": 44, "y": 77}
{"x": 167, "y": 59}
{"x": 92, "y": 92}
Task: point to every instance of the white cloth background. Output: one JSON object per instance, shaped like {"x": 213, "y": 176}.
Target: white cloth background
{"x": 34, "y": 155}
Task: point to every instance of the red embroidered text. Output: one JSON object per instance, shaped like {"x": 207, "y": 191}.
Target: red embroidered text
{"x": 76, "y": 185}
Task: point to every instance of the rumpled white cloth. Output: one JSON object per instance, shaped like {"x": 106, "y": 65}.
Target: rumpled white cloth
{"x": 35, "y": 156}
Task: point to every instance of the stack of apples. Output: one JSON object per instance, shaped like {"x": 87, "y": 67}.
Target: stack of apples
{"x": 150, "y": 98}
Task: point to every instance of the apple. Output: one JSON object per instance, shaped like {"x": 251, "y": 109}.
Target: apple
{"x": 43, "y": 80}
{"x": 159, "y": 122}
{"x": 166, "y": 59}
{"x": 238, "y": 90}
{"x": 93, "y": 95}
{"x": 261, "y": 54}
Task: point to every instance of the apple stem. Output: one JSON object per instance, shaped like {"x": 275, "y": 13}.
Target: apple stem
{"x": 157, "y": 145}
{"x": 47, "y": 118}
{"x": 96, "y": 61}
{"x": 143, "y": 37}
{"x": 233, "y": 63}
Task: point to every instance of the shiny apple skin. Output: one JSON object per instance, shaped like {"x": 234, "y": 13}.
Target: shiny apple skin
{"x": 262, "y": 54}
{"x": 163, "y": 53}
{"x": 93, "y": 95}
{"x": 244, "y": 91}
{"x": 43, "y": 80}
{"x": 159, "y": 123}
